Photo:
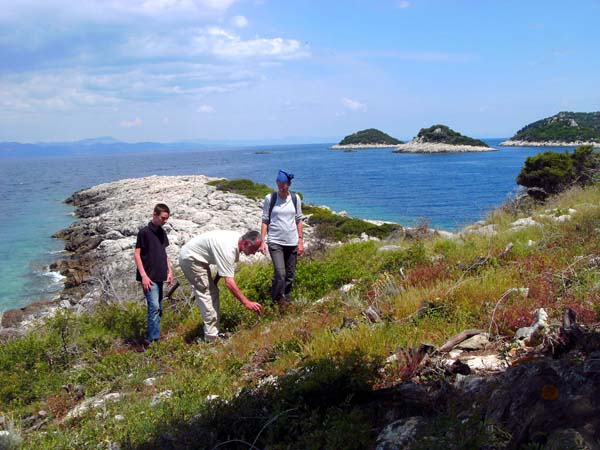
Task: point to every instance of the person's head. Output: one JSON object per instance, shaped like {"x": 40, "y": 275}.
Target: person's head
{"x": 161, "y": 214}
{"x": 250, "y": 243}
{"x": 284, "y": 180}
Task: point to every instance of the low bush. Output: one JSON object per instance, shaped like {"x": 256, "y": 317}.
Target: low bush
{"x": 549, "y": 173}
{"x": 243, "y": 187}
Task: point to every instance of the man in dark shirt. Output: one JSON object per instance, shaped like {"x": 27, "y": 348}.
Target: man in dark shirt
{"x": 153, "y": 266}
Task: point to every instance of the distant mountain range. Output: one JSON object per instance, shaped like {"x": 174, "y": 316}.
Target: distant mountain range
{"x": 110, "y": 145}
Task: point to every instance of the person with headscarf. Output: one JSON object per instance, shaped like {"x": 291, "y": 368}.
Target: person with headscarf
{"x": 281, "y": 233}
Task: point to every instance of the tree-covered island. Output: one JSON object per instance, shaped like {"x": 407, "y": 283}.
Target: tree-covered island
{"x": 442, "y": 139}
{"x": 562, "y": 129}
{"x": 369, "y": 138}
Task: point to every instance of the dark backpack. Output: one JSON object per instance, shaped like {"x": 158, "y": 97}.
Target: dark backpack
{"x": 274, "y": 199}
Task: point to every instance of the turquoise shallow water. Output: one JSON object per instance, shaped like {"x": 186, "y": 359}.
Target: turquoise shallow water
{"x": 449, "y": 190}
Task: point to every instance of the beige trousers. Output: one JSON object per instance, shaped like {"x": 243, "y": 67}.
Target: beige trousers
{"x": 206, "y": 293}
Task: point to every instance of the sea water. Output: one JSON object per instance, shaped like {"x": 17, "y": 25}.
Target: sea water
{"x": 447, "y": 190}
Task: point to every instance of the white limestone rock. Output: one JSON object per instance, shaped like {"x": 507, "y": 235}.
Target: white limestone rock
{"x": 113, "y": 213}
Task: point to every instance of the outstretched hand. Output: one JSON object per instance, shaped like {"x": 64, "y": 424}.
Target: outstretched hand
{"x": 253, "y": 306}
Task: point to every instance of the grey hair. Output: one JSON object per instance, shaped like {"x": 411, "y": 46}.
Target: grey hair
{"x": 252, "y": 236}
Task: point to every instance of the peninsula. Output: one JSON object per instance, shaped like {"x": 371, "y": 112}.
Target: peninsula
{"x": 370, "y": 138}
{"x": 564, "y": 129}
{"x": 442, "y": 139}
{"x": 100, "y": 243}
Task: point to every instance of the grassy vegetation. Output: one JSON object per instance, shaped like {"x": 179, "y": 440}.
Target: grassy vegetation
{"x": 331, "y": 226}
{"x": 298, "y": 381}
{"x": 243, "y": 187}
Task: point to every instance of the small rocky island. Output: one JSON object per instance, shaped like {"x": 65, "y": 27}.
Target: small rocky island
{"x": 442, "y": 139}
{"x": 564, "y": 129}
{"x": 370, "y": 138}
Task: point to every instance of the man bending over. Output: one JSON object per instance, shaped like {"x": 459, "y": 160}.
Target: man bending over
{"x": 222, "y": 249}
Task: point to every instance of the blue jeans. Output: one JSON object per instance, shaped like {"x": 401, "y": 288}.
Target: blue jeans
{"x": 154, "y": 299}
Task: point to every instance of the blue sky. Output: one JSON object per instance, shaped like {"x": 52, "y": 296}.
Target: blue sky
{"x": 170, "y": 70}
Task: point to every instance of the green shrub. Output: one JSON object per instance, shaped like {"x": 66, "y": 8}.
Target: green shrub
{"x": 393, "y": 261}
{"x": 549, "y": 173}
{"x": 28, "y": 369}
{"x": 586, "y": 164}
{"x": 333, "y": 269}
{"x": 127, "y": 321}
{"x": 243, "y": 187}
{"x": 333, "y": 227}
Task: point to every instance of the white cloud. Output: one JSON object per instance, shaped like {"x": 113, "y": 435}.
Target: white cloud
{"x": 239, "y": 21}
{"x": 51, "y": 92}
{"x": 256, "y": 48}
{"x": 206, "y": 109}
{"x": 211, "y": 41}
{"x": 403, "y": 4}
{"x": 131, "y": 123}
{"x": 353, "y": 105}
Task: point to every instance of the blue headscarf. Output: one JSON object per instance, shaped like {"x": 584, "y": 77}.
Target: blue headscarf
{"x": 285, "y": 177}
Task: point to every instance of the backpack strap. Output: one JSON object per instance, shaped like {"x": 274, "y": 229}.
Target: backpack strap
{"x": 274, "y": 200}
{"x": 272, "y": 204}
{"x": 295, "y": 200}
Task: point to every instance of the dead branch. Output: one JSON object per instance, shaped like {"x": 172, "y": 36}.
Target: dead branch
{"x": 500, "y": 300}
{"x": 452, "y": 342}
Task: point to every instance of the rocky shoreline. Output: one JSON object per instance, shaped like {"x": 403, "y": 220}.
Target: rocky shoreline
{"x": 428, "y": 147}
{"x": 511, "y": 143}
{"x": 100, "y": 265}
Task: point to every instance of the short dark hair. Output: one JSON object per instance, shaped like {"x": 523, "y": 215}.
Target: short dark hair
{"x": 252, "y": 236}
{"x": 161, "y": 208}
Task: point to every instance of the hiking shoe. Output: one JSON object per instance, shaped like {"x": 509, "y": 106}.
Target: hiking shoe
{"x": 285, "y": 305}
{"x": 218, "y": 338}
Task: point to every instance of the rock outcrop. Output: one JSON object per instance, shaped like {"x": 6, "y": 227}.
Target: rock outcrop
{"x": 442, "y": 139}
{"x": 544, "y": 393}
{"x": 102, "y": 241}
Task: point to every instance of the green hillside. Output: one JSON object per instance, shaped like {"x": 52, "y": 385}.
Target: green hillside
{"x": 441, "y": 134}
{"x": 321, "y": 376}
{"x": 369, "y": 136}
{"x": 562, "y": 127}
